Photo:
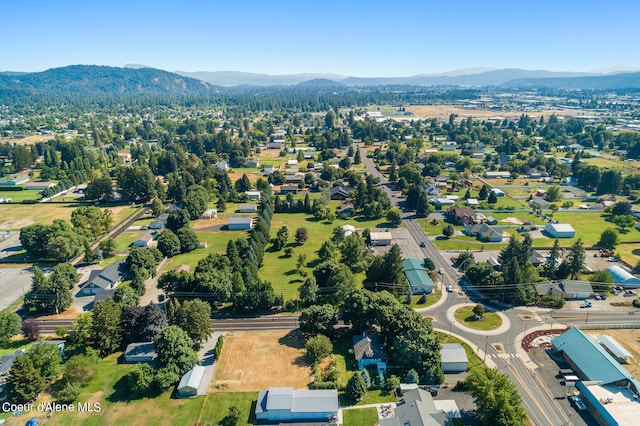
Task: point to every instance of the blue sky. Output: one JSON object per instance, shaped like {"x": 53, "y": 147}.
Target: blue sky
{"x": 360, "y": 38}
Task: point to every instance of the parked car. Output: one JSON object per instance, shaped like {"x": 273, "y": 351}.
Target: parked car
{"x": 612, "y": 259}
{"x": 576, "y": 401}
{"x": 586, "y": 305}
{"x": 615, "y": 292}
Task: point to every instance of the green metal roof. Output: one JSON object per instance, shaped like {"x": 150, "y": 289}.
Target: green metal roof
{"x": 417, "y": 274}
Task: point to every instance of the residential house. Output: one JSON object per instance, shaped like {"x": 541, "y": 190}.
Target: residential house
{"x": 369, "y": 350}
{"x": 540, "y": 203}
{"x": 252, "y": 163}
{"x": 144, "y": 240}
{"x": 289, "y": 405}
{"x": 548, "y": 288}
{"x": 190, "y": 382}
{"x": 472, "y": 202}
{"x": 223, "y": 165}
{"x": 431, "y": 189}
{"x": 339, "y": 193}
{"x": 346, "y": 208}
{"x": 484, "y": 232}
{"x": 107, "y": 279}
{"x": 454, "y": 358}
{"x": 291, "y": 171}
{"x": 160, "y": 222}
{"x": 237, "y": 223}
{"x": 125, "y": 155}
{"x": 276, "y": 144}
{"x": 417, "y": 407}
{"x": 449, "y": 146}
{"x": 248, "y": 208}
{"x": 417, "y": 276}
{"x": 574, "y": 289}
{"x": 443, "y": 202}
{"x": 292, "y": 162}
{"x": 288, "y": 189}
{"x": 267, "y": 170}
{"x": 460, "y": 215}
{"x": 297, "y": 179}
{"x": 140, "y": 352}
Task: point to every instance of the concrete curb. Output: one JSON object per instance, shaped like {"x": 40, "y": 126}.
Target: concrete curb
{"x": 488, "y": 361}
{"x": 506, "y": 323}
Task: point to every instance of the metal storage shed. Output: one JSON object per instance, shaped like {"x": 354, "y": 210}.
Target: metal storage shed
{"x": 614, "y": 348}
{"x": 454, "y": 358}
{"x": 190, "y": 382}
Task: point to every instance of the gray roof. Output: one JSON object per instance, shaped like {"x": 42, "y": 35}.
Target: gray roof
{"x": 141, "y": 349}
{"x": 572, "y": 287}
{"x": 108, "y": 276}
{"x": 545, "y": 288}
{"x": 483, "y": 230}
{"x": 298, "y": 401}
{"x": 366, "y": 346}
{"x": 453, "y": 352}
{"x": 613, "y": 346}
{"x": 6, "y": 362}
{"x": 192, "y": 378}
{"x": 146, "y": 236}
{"x": 418, "y": 410}
{"x": 240, "y": 220}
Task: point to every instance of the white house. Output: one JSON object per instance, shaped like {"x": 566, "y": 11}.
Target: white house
{"x": 107, "y": 279}
{"x": 560, "y": 230}
{"x": 223, "y": 164}
{"x": 499, "y": 192}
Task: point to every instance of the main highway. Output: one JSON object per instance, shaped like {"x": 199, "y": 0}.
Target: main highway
{"x": 538, "y": 401}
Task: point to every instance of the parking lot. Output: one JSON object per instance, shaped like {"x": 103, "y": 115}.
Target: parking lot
{"x": 548, "y": 365}
{"x": 14, "y": 282}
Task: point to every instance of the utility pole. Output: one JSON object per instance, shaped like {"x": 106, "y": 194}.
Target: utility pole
{"x": 486, "y": 345}
{"x": 587, "y": 319}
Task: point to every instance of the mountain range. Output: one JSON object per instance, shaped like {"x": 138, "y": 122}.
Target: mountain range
{"x": 133, "y": 80}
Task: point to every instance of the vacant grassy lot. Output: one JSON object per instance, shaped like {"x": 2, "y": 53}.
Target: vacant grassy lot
{"x": 489, "y": 321}
{"x": 16, "y": 216}
{"x": 257, "y": 360}
{"x": 20, "y": 196}
{"x": 360, "y": 417}
{"x": 279, "y": 269}
{"x": 589, "y": 227}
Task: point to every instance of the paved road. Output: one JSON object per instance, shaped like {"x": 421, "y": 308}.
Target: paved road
{"x": 537, "y": 399}
{"x": 217, "y": 325}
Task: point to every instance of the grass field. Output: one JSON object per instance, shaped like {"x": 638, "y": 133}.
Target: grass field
{"x": 360, "y": 417}
{"x": 589, "y": 227}
{"x": 20, "y": 196}
{"x": 253, "y": 361}
{"x": 489, "y": 321}
{"x": 431, "y": 299}
{"x": 216, "y": 243}
{"x": 16, "y": 216}
{"x": 281, "y": 270}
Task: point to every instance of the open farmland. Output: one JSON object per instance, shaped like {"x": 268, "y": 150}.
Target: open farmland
{"x": 16, "y": 216}
{"x": 257, "y": 360}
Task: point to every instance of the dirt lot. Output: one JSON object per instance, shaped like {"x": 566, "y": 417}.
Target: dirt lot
{"x": 443, "y": 111}
{"x": 630, "y": 339}
{"x": 257, "y": 360}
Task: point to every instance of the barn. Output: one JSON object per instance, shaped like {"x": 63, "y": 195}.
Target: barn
{"x": 624, "y": 278}
{"x": 240, "y": 223}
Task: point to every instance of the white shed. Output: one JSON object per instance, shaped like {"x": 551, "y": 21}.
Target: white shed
{"x": 190, "y": 382}
{"x": 381, "y": 238}
{"x": 454, "y": 358}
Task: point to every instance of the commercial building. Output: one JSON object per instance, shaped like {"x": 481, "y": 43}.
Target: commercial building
{"x": 418, "y": 276}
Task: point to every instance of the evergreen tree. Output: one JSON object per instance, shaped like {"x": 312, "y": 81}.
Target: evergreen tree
{"x": 356, "y": 387}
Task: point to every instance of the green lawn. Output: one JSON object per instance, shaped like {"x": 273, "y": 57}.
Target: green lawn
{"x": 20, "y": 196}
{"x": 345, "y": 362}
{"x": 431, "y": 299}
{"x": 360, "y": 417}
{"x": 216, "y": 243}
{"x": 589, "y": 226}
{"x": 281, "y": 270}
{"x": 489, "y": 321}
{"x": 125, "y": 239}
{"x": 14, "y": 345}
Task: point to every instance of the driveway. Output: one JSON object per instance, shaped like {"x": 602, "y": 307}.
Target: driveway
{"x": 14, "y": 282}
